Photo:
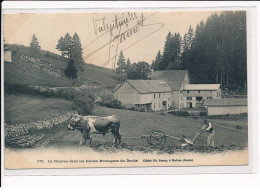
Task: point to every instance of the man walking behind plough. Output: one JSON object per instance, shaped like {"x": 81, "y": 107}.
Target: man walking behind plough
{"x": 209, "y": 129}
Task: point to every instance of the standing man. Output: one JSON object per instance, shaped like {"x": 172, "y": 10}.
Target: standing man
{"x": 209, "y": 129}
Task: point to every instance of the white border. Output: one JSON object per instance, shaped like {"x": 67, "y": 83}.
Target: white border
{"x": 253, "y": 91}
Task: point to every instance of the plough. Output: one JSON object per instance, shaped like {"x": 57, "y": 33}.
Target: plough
{"x": 158, "y": 138}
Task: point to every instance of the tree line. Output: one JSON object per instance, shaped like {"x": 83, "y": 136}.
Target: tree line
{"x": 214, "y": 53}
{"x": 129, "y": 70}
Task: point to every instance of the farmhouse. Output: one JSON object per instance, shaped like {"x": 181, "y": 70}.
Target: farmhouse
{"x": 184, "y": 94}
{"x": 195, "y": 94}
{"x": 227, "y": 106}
{"x": 149, "y": 94}
{"x": 176, "y": 79}
{"x": 154, "y": 94}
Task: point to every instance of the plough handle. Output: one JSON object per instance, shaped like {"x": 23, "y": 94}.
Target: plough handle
{"x": 176, "y": 138}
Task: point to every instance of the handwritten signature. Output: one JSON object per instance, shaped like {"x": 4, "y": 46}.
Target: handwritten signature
{"x": 118, "y": 31}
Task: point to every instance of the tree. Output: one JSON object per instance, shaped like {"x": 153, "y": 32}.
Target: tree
{"x": 83, "y": 104}
{"x": 139, "y": 70}
{"x": 217, "y": 51}
{"x": 34, "y": 43}
{"x": 61, "y": 46}
{"x": 72, "y": 48}
{"x": 189, "y": 37}
{"x": 166, "y": 58}
{"x": 128, "y": 65}
{"x": 175, "y": 52}
{"x": 156, "y": 63}
{"x": 67, "y": 44}
{"x": 121, "y": 64}
{"x": 171, "y": 58}
{"x": 76, "y": 51}
{"x": 71, "y": 70}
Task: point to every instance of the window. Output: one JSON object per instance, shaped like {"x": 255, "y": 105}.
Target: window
{"x": 211, "y": 91}
{"x": 159, "y": 95}
{"x": 154, "y": 105}
{"x": 209, "y": 97}
{"x": 153, "y": 95}
{"x": 199, "y": 91}
{"x": 188, "y": 91}
{"x": 189, "y": 98}
{"x": 199, "y": 98}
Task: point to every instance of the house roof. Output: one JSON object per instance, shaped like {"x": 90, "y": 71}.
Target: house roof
{"x": 117, "y": 86}
{"x": 149, "y": 86}
{"x": 169, "y": 75}
{"x": 175, "y": 85}
{"x": 201, "y": 86}
{"x": 226, "y": 102}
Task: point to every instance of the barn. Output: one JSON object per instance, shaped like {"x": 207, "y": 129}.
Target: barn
{"x": 176, "y": 79}
{"x": 226, "y": 106}
{"x": 153, "y": 95}
{"x": 195, "y": 94}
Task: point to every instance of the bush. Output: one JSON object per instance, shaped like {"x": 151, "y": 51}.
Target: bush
{"x": 203, "y": 113}
{"x": 84, "y": 105}
{"x": 141, "y": 109}
{"x": 180, "y": 113}
{"x": 110, "y": 102}
{"x": 17, "y": 88}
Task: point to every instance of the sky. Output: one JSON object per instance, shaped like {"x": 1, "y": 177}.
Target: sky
{"x": 140, "y": 35}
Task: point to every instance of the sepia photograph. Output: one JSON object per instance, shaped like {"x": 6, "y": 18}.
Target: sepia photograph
{"x": 150, "y": 88}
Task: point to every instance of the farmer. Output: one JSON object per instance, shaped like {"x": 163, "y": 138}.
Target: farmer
{"x": 209, "y": 129}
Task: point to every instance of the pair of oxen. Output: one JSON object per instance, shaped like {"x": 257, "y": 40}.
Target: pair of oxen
{"x": 88, "y": 125}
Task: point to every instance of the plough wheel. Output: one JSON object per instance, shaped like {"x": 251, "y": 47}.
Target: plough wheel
{"x": 156, "y": 138}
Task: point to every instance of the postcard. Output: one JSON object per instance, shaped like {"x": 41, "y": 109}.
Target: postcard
{"x": 120, "y": 88}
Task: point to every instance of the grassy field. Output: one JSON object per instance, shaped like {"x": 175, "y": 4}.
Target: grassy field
{"x": 44, "y": 68}
{"x": 140, "y": 123}
{"x": 25, "y": 109}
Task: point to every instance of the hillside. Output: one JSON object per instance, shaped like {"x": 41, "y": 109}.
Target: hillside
{"x": 44, "y": 68}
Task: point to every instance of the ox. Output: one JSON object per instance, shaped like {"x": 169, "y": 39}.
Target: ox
{"x": 88, "y": 125}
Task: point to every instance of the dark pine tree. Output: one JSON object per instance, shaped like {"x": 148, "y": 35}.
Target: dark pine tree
{"x": 156, "y": 63}
{"x": 167, "y": 55}
{"x": 35, "y": 44}
{"x": 67, "y": 45}
{"x": 71, "y": 70}
{"x": 61, "y": 46}
{"x": 121, "y": 64}
{"x": 76, "y": 52}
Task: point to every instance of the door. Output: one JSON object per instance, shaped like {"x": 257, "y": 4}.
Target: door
{"x": 190, "y": 105}
{"x": 149, "y": 107}
{"x": 164, "y": 105}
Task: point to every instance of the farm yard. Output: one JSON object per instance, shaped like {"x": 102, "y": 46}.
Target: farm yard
{"x": 231, "y": 133}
